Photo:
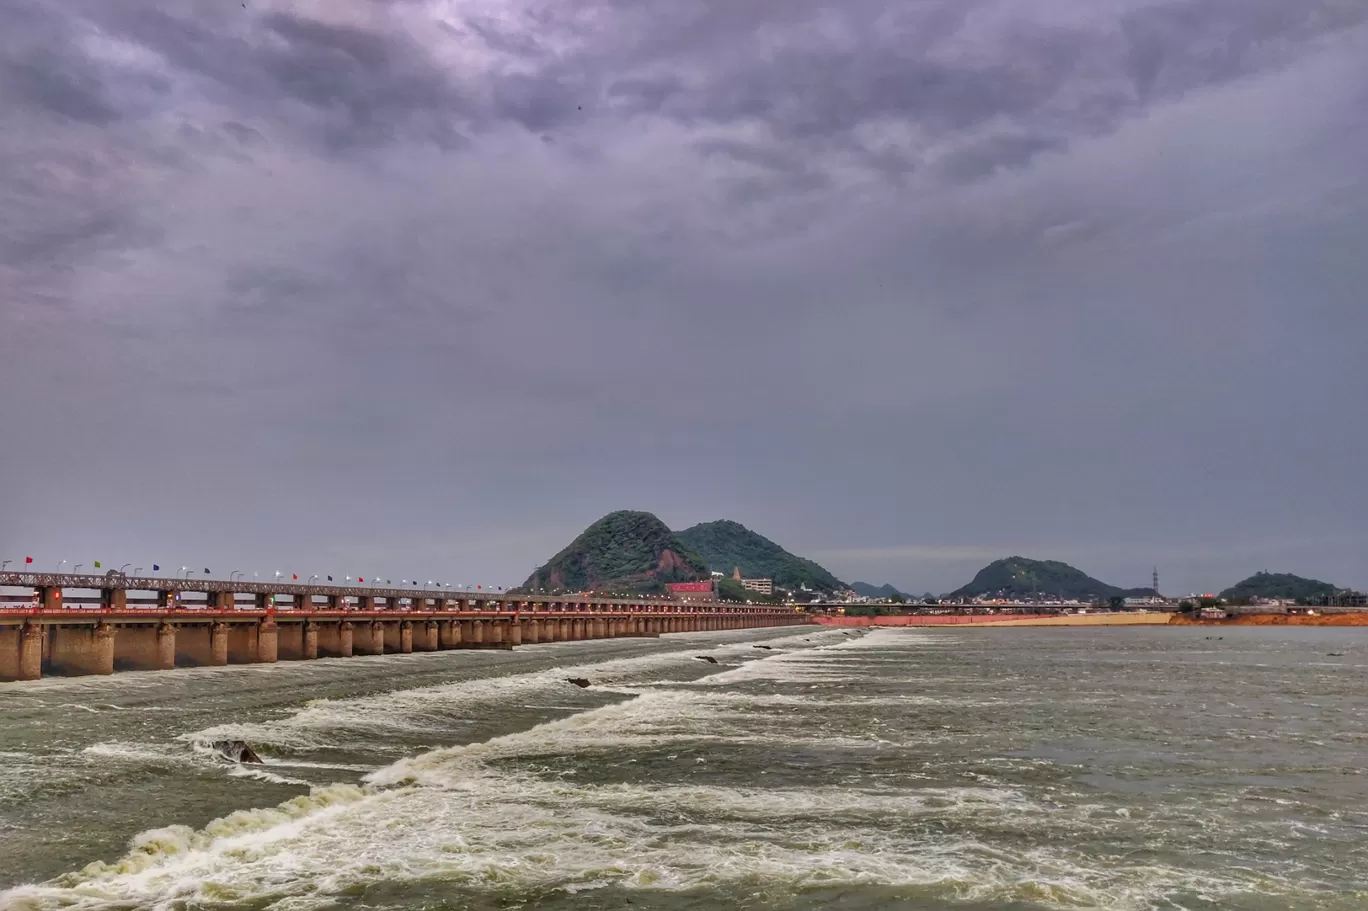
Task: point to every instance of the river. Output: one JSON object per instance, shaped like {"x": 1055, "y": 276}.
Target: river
{"x": 1131, "y": 768}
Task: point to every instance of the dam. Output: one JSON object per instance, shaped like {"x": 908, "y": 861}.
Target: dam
{"x": 69, "y": 625}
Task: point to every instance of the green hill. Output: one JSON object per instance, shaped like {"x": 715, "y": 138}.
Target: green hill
{"x": 1017, "y": 577}
{"x": 623, "y": 551}
{"x": 1278, "y": 585}
{"x": 725, "y": 545}
{"x": 865, "y": 590}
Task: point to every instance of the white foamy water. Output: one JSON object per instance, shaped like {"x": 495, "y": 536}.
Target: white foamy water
{"x": 810, "y": 774}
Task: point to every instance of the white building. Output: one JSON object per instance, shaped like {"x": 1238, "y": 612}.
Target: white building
{"x": 763, "y": 586}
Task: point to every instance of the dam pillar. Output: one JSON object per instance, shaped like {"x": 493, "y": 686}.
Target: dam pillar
{"x": 472, "y": 631}
{"x": 448, "y": 634}
{"x": 21, "y": 652}
{"x": 598, "y": 627}
{"x": 82, "y": 650}
{"x": 513, "y": 633}
{"x": 202, "y": 644}
{"x": 145, "y": 647}
{"x": 268, "y": 642}
{"x": 425, "y": 636}
{"x": 405, "y": 638}
{"x": 494, "y": 631}
{"x": 334, "y": 639}
{"x": 531, "y": 631}
{"x": 368, "y": 638}
{"x": 242, "y": 643}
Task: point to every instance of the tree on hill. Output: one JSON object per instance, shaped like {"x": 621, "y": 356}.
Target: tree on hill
{"x": 1019, "y": 577}
{"x": 623, "y": 551}
{"x": 726, "y": 545}
{"x": 1284, "y": 586}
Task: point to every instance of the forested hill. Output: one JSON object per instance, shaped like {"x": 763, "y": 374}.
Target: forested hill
{"x": 1278, "y": 585}
{"x": 1018, "y": 576}
{"x": 623, "y": 551}
{"x": 726, "y": 545}
{"x": 865, "y": 590}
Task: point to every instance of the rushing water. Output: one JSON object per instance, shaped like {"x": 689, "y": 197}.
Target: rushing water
{"x": 978, "y": 769}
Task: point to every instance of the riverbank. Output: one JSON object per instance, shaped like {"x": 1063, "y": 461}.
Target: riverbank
{"x": 1134, "y": 618}
{"x": 1278, "y": 620}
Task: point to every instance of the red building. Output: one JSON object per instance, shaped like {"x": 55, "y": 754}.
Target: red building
{"x": 691, "y": 591}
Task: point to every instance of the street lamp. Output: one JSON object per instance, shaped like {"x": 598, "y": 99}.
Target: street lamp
{"x": 232, "y": 574}
{"x": 4, "y": 564}
{"x": 137, "y": 570}
{"x": 124, "y": 567}
{"x": 59, "y": 565}
{"x": 77, "y": 567}
{"x": 186, "y": 570}
{"x": 313, "y": 577}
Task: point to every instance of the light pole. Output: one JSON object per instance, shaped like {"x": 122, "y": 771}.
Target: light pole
{"x": 137, "y": 570}
{"x": 124, "y": 567}
{"x": 77, "y": 567}
{"x": 5, "y": 565}
{"x": 59, "y": 565}
{"x": 313, "y": 577}
{"x": 232, "y": 574}
{"x": 186, "y": 570}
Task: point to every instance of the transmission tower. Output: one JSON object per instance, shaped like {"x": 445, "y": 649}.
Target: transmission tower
{"x": 1156, "y": 580}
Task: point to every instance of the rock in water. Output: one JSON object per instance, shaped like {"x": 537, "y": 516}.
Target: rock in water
{"x": 236, "y": 750}
{"x": 582, "y": 682}
{"x": 708, "y": 658}
{"x": 768, "y": 648}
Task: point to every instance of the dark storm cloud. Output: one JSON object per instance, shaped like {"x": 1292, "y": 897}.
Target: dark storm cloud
{"x": 904, "y": 283}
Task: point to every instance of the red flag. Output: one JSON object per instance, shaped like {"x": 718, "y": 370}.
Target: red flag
{"x": 294, "y": 575}
{"x": 478, "y": 586}
{"x": 28, "y": 559}
{"x": 359, "y": 579}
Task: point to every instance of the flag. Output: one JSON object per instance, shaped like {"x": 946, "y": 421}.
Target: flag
{"x": 359, "y": 579}
{"x": 206, "y": 570}
{"x": 478, "y": 586}
{"x": 330, "y": 578}
{"x": 388, "y": 582}
{"x": 28, "y": 559}
{"x": 155, "y": 567}
{"x": 294, "y": 575}
{"x": 97, "y": 564}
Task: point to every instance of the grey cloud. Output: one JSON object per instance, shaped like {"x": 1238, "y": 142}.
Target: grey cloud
{"x": 885, "y": 281}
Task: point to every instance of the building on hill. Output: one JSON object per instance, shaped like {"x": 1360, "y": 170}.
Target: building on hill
{"x": 692, "y": 591}
{"x": 763, "y": 586}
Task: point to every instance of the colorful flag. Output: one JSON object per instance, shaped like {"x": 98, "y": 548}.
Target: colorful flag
{"x": 388, "y": 582}
{"x": 294, "y": 576}
{"x": 206, "y": 570}
{"x": 359, "y": 579}
{"x": 28, "y": 559}
{"x": 97, "y": 564}
{"x": 155, "y": 567}
{"x": 330, "y": 578}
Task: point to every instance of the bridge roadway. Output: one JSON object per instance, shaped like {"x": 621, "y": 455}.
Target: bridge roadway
{"x": 96, "y": 624}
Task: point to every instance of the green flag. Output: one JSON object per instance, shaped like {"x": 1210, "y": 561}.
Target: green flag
{"x": 97, "y": 564}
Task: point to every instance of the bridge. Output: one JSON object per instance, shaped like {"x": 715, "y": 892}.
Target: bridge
{"x": 70, "y": 624}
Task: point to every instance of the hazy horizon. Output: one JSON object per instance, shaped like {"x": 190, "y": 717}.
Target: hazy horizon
{"x": 423, "y": 289}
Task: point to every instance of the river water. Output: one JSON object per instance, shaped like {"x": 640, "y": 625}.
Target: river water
{"x": 978, "y": 769}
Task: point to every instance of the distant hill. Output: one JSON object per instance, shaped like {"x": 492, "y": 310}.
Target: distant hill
{"x": 865, "y": 590}
{"x": 1278, "y": 585}
{"x": 1018, "y": 576}
{"x": 623, "y": 551}
{"x": 725, "y": 545}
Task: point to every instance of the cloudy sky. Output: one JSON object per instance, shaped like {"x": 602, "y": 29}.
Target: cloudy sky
{"x": 422, "y": 288}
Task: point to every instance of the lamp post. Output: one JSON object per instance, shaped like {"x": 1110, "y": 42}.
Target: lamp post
{"x": 186, "y": 570}
{"x": 124, "y": 567}
{"x": 4, "y": 565}
{"x": 232, "y": 574}
{"x": 313, "y": 577}
{"x": 77, "y": 567}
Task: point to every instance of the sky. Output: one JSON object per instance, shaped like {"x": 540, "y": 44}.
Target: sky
{"x": 421, "y": 288}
